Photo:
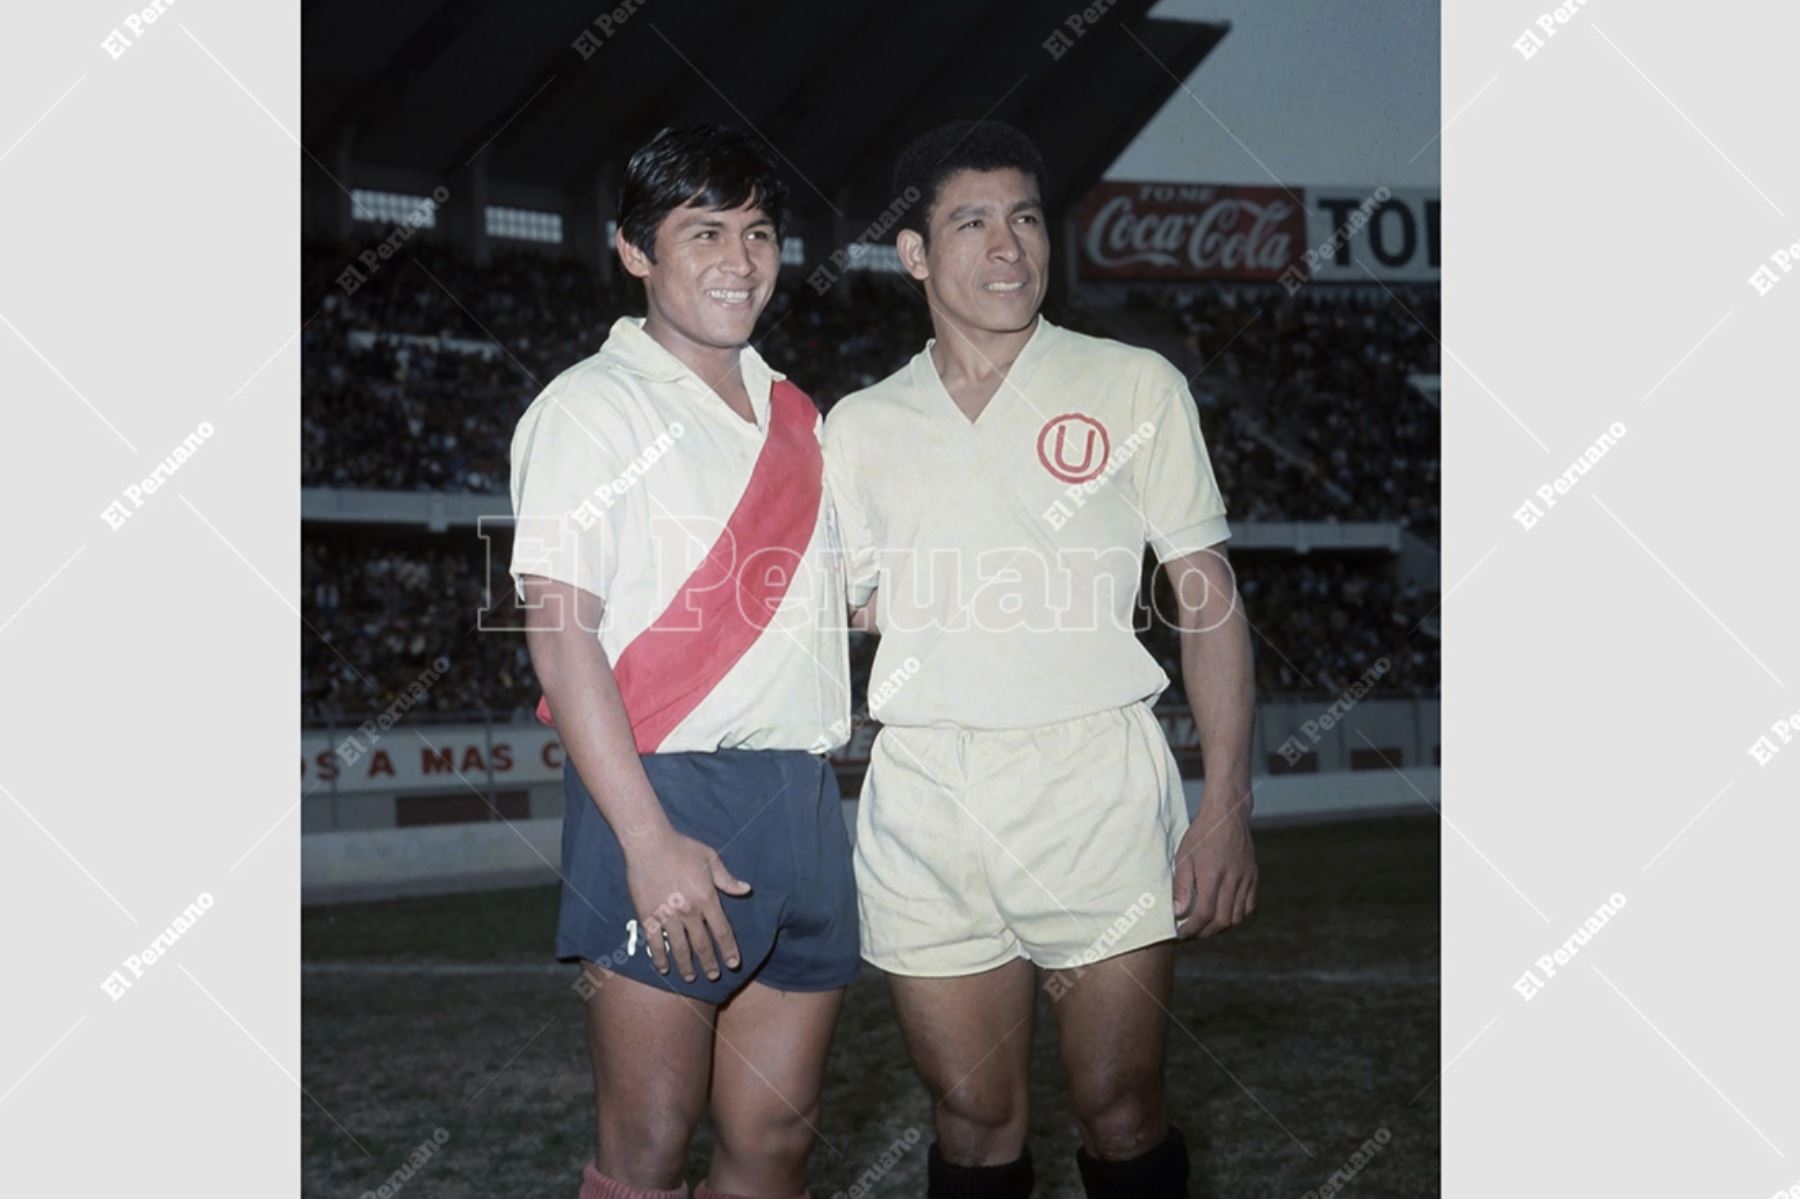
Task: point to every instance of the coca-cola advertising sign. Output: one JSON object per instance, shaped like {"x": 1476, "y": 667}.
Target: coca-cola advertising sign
{"x": 1189, "y": 231}
{"x": 1250, "y": 233}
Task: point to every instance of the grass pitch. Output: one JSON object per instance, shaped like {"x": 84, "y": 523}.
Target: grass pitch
{"x": 1300, "y": 1037}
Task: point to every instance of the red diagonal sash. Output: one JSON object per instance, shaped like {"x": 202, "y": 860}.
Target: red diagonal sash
{"x": 721, "y": 609}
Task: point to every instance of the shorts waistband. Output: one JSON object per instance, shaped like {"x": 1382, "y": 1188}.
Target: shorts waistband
{"x": 735, "y": 754}
{"x": 1127, "y": 711}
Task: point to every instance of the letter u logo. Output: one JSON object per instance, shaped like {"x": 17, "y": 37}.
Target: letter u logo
{"x": 1073, "y": 447}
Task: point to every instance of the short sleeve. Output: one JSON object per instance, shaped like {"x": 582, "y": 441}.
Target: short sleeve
{"x": 1183, "y": 509}
{"x": 855, "y": 533}
{"x": 567, "y": 518}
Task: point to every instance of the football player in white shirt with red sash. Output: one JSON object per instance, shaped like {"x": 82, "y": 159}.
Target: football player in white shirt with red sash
{"x": 684, "y": 599}
{"x": 1022, "y": 821}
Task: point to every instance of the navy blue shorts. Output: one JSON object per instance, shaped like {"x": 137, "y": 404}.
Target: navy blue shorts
{"x": 776, "y": 819}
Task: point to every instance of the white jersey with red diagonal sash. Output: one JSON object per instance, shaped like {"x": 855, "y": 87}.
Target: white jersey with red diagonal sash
{"x": 708, "y": 538}
{"x": 1007, "y": 552}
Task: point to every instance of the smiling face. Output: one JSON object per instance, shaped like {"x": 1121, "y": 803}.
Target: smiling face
{"x": 986, "y": 265}
{"x": 713, "y": 273}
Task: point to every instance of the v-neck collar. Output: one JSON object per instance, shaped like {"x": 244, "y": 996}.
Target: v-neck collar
{"x": 1017, "y": 376}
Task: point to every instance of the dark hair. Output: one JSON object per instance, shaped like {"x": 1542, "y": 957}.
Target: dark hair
{"x": 716, "y": 166}
{"x": 959, "y": 146}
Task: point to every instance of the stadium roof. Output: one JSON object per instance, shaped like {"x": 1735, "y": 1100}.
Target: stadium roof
{"x": 837, "y": 89}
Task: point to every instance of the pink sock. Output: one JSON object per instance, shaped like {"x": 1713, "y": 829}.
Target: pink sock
{"x": 595, "y": 1185}
{"x": 706, "y": 1192}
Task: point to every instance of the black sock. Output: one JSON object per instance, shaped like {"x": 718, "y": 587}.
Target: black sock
{"x": 1009, "y": 1180}
{"x": 1161, "y": 1173}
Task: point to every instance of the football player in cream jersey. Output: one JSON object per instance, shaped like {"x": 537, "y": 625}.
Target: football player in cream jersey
{"x": 1022, "y": 821}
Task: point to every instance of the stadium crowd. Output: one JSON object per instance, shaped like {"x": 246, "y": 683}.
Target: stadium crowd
{"x": 1311, "y": 411}
{"x": 1320, "y": 624}
{"x": 433, "y": 408}
{"x": 380, "y": 611}
{"x": 1304, "y": 398}
{"x": 379, "y": 616}
{"x": 414, "y": 378}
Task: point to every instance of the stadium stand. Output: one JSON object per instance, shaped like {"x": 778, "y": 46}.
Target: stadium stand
{"x": 1305, "y": 398}
{"x": 386, "y": 605}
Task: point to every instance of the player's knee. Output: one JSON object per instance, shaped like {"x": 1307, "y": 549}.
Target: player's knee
{"x": 642, "y": 1143}
{"x": 1120, "y": 1118}
{"x": 982, "y": 1122}
{"x": 774, "y": 1133}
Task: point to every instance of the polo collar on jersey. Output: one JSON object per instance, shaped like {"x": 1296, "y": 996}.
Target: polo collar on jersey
{"x": 1018, "y": 375}
{"x": 631, "y": 349}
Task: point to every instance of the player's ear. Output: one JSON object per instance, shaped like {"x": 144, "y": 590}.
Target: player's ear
{"x": 910, "y": 245}
{"x": 637, "y": 263}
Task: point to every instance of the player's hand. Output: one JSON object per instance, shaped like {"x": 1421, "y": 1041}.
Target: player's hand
{"x": 674, "y": 883}
{"x": 1215, "y": 872}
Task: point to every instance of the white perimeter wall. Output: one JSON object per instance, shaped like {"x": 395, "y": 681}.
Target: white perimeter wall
{"x": 383, "y": 863}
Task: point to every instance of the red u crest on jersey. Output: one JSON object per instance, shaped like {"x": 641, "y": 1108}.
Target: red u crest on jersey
{"x": 1073, "y": 447}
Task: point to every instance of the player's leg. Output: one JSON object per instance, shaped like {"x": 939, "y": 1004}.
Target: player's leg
{"x": 970, "y": 1040}
{"x": 1112, "y": 1029}
{"x": 650, "y": 1035}
{"x": 768, "y": 1078}
{"x": 963, "y": 991}
{"x": 773, "y": 1035}
{"x": 1084, "y": 880}
{"x": 651, "y": 1052}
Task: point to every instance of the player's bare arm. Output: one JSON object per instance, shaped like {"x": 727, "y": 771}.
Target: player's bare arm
{"x": 660, "y": 862}
{"x": 1215, "y": 866}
